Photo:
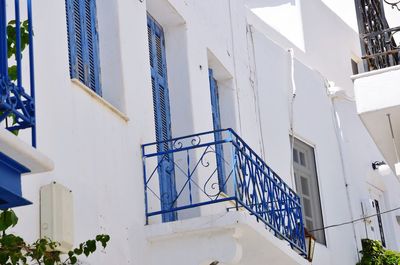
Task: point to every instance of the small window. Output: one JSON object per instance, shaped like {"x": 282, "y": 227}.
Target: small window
{"x": 83, "y": 41}
{"x": 354, "y": 67}
{"x": 307, "y": 187}
{"x": 380, "y": 224}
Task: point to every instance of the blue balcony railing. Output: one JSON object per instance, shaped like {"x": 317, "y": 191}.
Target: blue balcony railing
{"x": 197, "y": 170}
{"x": 17, "y": 106}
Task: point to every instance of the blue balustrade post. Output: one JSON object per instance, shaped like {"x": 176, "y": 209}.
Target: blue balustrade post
{"x": 18, "y": 54}
{"x": 145, "y": 186}
{"x": 234, "y": 162}
{"x": 3, "y": 39}
{"x": 32, "y": 68}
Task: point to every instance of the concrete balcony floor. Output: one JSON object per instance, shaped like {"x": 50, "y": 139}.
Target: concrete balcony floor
{"x": 377, "y": 95}
{"x": 232, "y": 237}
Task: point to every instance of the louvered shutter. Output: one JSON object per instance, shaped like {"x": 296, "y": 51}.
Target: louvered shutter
{"x": 219, "y": 152}
{"x": 162, "y": 117}
{"x": 83, "y": 43}
{"x": 159, "y": 83}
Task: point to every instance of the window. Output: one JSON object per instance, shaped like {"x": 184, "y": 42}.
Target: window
{"x": 379, "y": 219}
{"x": 307, "y": 187}
{"x": 83, "y": 41}
{"x": 354, "y": 67}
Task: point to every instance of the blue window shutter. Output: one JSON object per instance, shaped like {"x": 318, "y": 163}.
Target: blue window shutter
{"x": 216, "y": 116}
{"x": 83, "y": 42}
{"x": 162, "y": 117}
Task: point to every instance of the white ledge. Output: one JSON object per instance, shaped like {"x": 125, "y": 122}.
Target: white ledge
{"x": 23, "y": 153}
{"x": 375, "y": 72}
{"x": 101, "y": 100}
{"x": 240, "y": 238}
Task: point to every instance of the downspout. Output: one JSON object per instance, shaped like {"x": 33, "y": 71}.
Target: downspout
{"x": 333, "y": 95}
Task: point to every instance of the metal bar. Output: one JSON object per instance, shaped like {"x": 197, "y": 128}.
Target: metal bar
{"x": 394, "y": 51}
{"x": 32, "y": 69}
{"x": 191, "y": 206}
{"x": 3, "y": 40}
{"x": 145, "y": 186}
{"x": 18, "y": 55}
{"x": 185, "y": 137}
{"x": 376, "y": 33}
{"x": 184, "y": 148}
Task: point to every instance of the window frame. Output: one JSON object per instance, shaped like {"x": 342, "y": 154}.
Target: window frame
{"x": 315, "y": 190}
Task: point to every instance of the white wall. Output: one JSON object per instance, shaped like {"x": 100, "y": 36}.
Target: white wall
{"x": 97, "y": 151}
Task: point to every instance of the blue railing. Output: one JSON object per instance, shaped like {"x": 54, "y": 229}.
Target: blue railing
{"x": 17, "y": 106}
{"x": 248, "y": 183}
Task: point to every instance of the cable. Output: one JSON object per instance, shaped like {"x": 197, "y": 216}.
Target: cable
{"x": 235, "y": 67}
{"x": 291, "y": 114}
{"x": 254, "y": 85}
{"x": 355, "y": 220}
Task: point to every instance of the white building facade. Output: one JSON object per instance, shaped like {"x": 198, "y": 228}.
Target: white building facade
{"x": 201, "y": 132}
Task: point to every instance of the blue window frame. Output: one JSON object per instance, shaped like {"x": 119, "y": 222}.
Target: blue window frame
{"x": 162, "y": 117}
{"x": 83, "y": 48}
{"x": 216, "y": 116}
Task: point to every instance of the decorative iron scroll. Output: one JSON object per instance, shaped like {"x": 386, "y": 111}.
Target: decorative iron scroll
{"x": 378, "y": 40}
{"x": 248, "y": 183}
{"x": 394, "y": 4}
{"x": 17, "y": 108}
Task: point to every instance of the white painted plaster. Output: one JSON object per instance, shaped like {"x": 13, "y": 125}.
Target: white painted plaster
{"x": 98, "y": 156}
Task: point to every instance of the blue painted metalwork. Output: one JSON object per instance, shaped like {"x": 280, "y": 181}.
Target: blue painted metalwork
{"x": 162, "y": 117}
{"x": 10, "y": 183}
{"x": 17, "y": 107}
{"x": 83, "y": 42}
{"x": 250, "y": 183}
{"x": 216, "y": 115}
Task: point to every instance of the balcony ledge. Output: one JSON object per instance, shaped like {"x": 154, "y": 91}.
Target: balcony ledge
{"x": 231, "y": 238}
{"x": 377, "y": 95}
{"x": 24, "y": 154}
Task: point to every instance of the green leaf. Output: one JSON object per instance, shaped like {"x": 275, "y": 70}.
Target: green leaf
{"x": 73, "y": 260}
{"x": 7, "y": 219}
{"x": 12, "y": 73}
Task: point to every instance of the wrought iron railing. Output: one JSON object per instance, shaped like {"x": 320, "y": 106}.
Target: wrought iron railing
{"x": 193, "y": 176}
{"x": 379, "y": 44}
{"x": 17, "y": 106}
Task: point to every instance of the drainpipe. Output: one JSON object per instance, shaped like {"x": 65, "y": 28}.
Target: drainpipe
{"x": 338, "y": 93}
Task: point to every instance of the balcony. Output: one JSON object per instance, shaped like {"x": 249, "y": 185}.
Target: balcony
{"x": 212, "y": 173}
{"x": 376, "y": 91}
{"x": 17, "y": 104}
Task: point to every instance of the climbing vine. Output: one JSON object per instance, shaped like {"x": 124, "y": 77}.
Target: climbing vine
{"x": 15, "y": 251}
{"x": 373, "y": 253}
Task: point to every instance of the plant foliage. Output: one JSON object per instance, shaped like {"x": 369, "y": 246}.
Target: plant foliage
{"x": 15, "y": 251}
{"x": 373, "y": 253}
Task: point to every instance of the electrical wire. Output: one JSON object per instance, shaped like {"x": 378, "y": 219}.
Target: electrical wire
{"x": 254, "y": 85}
{"x": 291, "y": 114}
{"x": 355, "y": 220}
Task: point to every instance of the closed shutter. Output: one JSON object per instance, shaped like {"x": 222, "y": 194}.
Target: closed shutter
{"x": 159, "y": 82}
{"x": 162, "y": 119}
{"x": 83, "y": 41}
{"x": 216, "y": 116}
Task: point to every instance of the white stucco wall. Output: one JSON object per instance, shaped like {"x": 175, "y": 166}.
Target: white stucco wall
{"x": 96, "y": 149}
